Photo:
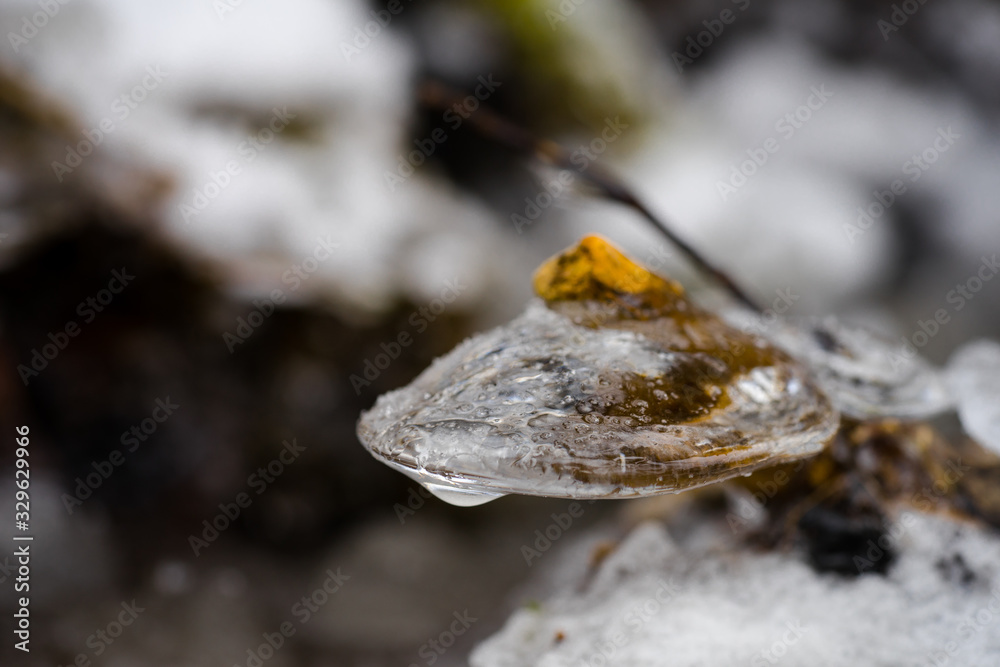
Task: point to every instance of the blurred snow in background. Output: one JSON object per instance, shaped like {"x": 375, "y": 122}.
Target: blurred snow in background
{"x": 226, "y": 70}
{"x": 223, "y": 79}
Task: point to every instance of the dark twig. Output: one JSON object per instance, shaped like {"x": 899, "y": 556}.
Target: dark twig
{"x": 436, "y": 95}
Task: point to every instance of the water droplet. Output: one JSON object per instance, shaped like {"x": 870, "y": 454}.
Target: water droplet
{"x": 461, "y": 497}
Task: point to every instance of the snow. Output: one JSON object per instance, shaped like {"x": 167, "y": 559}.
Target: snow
{"x": 227, "y": 71}
{"x": 224, "y": 77}
{"x": 795, "y": 222}
{"x": 659, "y": 602}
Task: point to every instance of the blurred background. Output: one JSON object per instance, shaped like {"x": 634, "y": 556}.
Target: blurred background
{"x": 219, "y": 218}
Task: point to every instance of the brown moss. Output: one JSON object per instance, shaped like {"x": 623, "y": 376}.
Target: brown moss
{"x": 596, "y": 285}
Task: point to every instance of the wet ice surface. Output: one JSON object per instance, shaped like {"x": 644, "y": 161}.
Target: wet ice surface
{"x": 543, "y": 406}
{"x": 865, "y": 375}
{"x": 655, "y": 601}
{"x": 974, "y": 380}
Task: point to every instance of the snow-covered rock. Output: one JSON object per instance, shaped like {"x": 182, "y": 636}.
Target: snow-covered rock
{"x": 657, "y": 602}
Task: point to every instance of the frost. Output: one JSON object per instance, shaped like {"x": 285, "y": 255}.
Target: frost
{"x": 974, "y": 380}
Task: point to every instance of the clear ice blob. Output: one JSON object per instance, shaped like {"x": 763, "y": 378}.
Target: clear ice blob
{"x": 974, "y": 379}
{"x": 865, "y": 375}
{"x": 611, "y": 385}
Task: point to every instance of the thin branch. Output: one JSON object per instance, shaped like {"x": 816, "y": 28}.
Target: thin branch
{"x": 436, "y": 95}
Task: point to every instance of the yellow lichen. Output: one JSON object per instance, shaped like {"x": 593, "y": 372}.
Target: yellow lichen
{"x": 596, "y": 270}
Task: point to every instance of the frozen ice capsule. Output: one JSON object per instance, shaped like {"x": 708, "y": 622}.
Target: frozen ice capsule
{"x": 974, "y": 377}
{"x": 611, "y": 385}
{"x": 865, "y": 375}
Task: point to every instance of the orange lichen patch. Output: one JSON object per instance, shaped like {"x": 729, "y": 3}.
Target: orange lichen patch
{"x": 596, "y": 270}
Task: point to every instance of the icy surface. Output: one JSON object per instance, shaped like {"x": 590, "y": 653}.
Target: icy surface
{"x": 974, "y": 379}
{"x": 656, "y": 602}
{"x": 863, "y": 374}
{"x": 543, "y": 406}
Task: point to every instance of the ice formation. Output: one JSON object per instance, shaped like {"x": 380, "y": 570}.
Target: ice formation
{"x": 864, "y": 375}
{"x": 974, "y": 379}
{"x": 614, "y": 386}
